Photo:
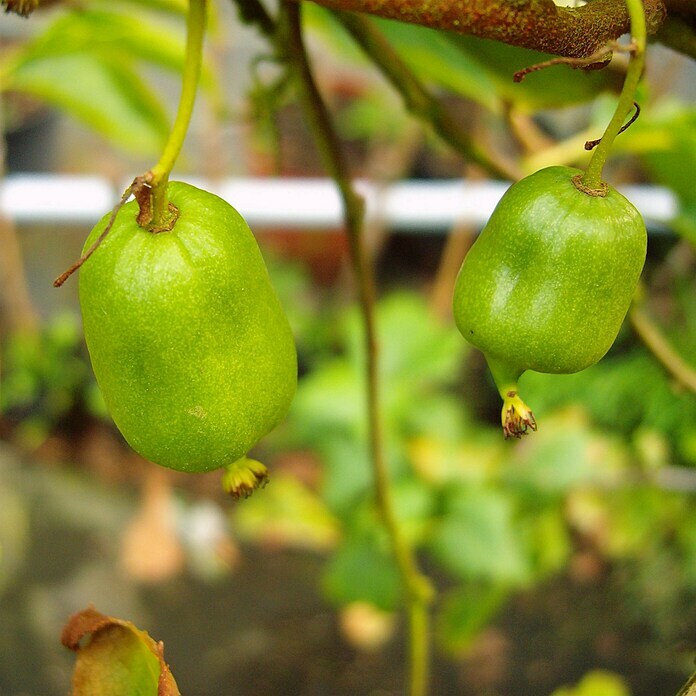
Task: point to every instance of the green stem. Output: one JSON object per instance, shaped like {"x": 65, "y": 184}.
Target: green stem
{"x": 592, "y": 179}
{"x": 159, "y": 174}
{"x": 418, "y": 590}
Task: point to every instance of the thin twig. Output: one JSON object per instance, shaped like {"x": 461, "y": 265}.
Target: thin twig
{"x": 137, "y": 184}
{"x": 599, "y": 58}
{"x": 661, "y": 348}
{"x": 591, "y": 144}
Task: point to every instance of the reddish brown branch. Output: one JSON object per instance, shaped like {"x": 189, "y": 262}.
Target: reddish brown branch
{"x": 537, "y": 24}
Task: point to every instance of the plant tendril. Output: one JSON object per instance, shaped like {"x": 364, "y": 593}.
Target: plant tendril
{"x": 591, "y": 144}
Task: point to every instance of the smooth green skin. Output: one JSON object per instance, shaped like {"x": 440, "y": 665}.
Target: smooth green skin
{"x": 548, "y": 282}
{"x": 188, "y": 340}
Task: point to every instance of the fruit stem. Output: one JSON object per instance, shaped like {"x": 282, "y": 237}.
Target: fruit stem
{"x": 419, "y": 592}
{"x": 592, "y": 179}
{"x": 516, "y": 417}
{"x": 159, "y": 175}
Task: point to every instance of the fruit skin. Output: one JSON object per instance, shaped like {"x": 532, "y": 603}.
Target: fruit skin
{"x": 187, "y": 338}
{"x": 548, "y": 282}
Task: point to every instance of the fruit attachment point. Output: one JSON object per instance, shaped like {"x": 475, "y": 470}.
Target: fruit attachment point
{"x": 516, "y": 416}
{"x": 243, "y": 477}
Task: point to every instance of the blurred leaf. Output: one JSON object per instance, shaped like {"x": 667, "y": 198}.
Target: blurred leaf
{"x": 114, "y": 35}
{"x": 465, "y": 611}
{"x": 348, "y": 476}
{"x": 477, "y": 69}
{"x": 596, "y": 683}
{"x": 115, "y": 658}
{"x": 361, "y": 570}
{"x": 44, "y": 375}
{"x": 436, "y": 59}
{"x": 329, "y": 402}
{"x": 287, "y": 514}
{"x": 463, "y": 459}
{"x": 476, "y": 537}
{"x": 109, "y": 96}
{"x": 547, "y": 537}
{"x": 564, "y": 454}
{"x": 414, "y": 345}
{"x": 179, "y": 7}
{"x": 414, "y": 505}
{"x": 665, "y": 138}
{"x": 634, "y": 515}
{"x": 550, "y": 88}
{"x": 622, "y": 393}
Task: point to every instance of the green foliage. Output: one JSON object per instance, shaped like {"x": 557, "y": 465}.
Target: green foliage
{"x": 672, "y": 158}
{"x": 476, "y": 69}
{"x": 492, "y": 518}
{"x": 110, "y": 46}
{"x": 475, "y": 538}
{"x": 597, "y": 683}
{"x": 45, "y": 377}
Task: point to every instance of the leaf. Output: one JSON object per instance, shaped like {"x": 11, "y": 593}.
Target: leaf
{"x": 465, "y": 611}
{"x": 110, "y": 34}
{"x": 114, "y": 658}
{"x": 549, "y": 88}
{"x": 476, "y": 538}
{"x": 289, "y": 514}
{"x": 666, "y": 141}
{"x": 596, "y": 683}
{"x": 178, "y": 7}
{"x": 361, "y": 570}
{"x": 109, "y": 96}
{"x": 477, "y": 69}
{"x": 432, "y": 56}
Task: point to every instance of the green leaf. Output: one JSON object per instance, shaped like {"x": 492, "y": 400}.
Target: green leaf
{"x": 549, "y": 88}
{"x": 179, "y": 7}
{"x": 115, "y": 658}
{"x": 465, "y": 611}
{"x": 563, "y": 455}
{"x": 109, "y": 96}
{"x": 476, "y": 538}
{"x": 666, "y": 141}
{"x": 432, "y": 56}
{"x": 288, "y": 513}
{"x": 361, "y": 570}
{"x": 596, "y": 683}
{"x": 116, "y": 35}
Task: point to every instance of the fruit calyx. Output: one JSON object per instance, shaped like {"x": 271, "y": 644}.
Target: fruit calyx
{"x": 243, "y": 477}
{"x": 516, "y": 416}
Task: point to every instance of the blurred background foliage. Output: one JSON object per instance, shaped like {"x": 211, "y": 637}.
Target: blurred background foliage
{"x": 565, "y": 562}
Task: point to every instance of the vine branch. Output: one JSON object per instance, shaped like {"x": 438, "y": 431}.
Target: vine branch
{"x": 418, "y": 591}
{"x": 541, "y": 25}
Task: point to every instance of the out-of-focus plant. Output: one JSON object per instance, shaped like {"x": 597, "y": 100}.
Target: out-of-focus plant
{"x": 111, "y": 46}
{"x": 45, "y": 379}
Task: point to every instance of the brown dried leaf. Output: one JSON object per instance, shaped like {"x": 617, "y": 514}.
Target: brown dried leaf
{"x": 115, "y": 658}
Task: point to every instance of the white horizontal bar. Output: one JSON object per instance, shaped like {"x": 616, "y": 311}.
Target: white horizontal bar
{"x": 423, "y": 206}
